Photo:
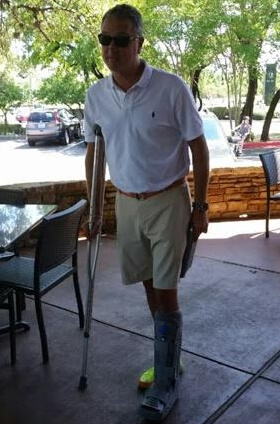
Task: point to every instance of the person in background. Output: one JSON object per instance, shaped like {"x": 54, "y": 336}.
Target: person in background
{"x": 149, "y": 122}
{"x": 240, "y": 134}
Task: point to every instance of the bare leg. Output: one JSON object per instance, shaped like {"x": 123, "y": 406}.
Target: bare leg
{"x": 162, "y": 300}
{"x": 167, "y": 300}
{"x": 240, "y": 147}
{"x": 150, "y": 294}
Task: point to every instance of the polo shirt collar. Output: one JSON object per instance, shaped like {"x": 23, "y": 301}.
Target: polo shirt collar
{"x": 144, "y": 80}
{"x": 145, "y": 77}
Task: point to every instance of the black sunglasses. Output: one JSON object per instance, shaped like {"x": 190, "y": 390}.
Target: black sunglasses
{"x": 119, "y": 40}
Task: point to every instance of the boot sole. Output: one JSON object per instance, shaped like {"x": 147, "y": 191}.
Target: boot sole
{"x": 148, "y": 413}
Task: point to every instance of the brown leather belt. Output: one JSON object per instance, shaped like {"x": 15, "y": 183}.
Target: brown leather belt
{"x": 148, "y": 194}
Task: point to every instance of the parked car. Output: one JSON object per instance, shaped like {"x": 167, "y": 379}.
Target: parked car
{"x": 52, "y": 124}
{"x": 221, "y": 155}
{"x": 22, "y": 114}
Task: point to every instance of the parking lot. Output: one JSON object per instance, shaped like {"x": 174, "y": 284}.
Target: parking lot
{"x": 46, "y": 162}
{"x": 51, "y": 161}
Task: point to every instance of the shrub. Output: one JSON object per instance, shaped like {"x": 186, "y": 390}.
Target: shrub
{"x": 220, "y": 111}
{"x": 258, "y": 116}
{"x": 12, "y": 129}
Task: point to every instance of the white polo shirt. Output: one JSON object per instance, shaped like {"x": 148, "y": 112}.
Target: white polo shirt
{"x": 145, "y": 129}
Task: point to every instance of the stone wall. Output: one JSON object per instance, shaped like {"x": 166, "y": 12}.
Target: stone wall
{"x": 234, "y": 193}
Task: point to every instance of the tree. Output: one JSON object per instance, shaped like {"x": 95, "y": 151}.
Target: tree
{"x": 66, "y": 89}
{"x": 184, "y": 37}
{"x": 269, "y": 116}
{"x": 60, "y": 30}
{"x": 232, "y": 67}
{"x": 10, "y": 95}
{"x": 181, "y": 36}
{"x": 251, "y": 22}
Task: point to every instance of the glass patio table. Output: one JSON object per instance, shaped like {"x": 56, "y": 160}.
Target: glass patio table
{"x": 15, "y": 223}
{"x": 18, "y": 221}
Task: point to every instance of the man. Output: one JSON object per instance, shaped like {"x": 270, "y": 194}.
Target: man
{"x": 240, "y": 134}
{"x": 148, "y": 118}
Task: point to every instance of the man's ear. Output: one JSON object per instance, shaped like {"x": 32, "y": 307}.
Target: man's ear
{"x": 141, "y": 41}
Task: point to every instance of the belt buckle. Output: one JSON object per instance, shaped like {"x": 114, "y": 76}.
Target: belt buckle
{"x": 140, "y": 196}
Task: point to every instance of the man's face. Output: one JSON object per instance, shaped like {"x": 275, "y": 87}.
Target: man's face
{"x": 120, "y": 59}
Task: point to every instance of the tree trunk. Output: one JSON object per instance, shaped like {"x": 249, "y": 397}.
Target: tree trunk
{"x": 5, "y": 121}
{"x": 251, "y": 93}
{"x": 194, "y": 86}
{"x": 269, "y": 116}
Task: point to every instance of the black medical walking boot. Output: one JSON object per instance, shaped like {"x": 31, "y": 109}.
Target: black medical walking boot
{"x": 160, "y": 398}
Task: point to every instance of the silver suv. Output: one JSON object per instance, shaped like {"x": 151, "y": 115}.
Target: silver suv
{"x": 52, "y": 124}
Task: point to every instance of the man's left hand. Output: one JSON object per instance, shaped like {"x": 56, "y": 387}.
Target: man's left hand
{"x": 199, "y": 223}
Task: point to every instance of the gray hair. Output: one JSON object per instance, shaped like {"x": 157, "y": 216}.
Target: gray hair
{"x": 125, "y": 11}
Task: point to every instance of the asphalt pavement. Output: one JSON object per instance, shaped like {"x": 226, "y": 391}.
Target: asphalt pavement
{"x": 50, "y": 162}
{"x": 47, "y": 162}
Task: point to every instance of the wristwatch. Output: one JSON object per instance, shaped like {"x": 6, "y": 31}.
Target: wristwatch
{"x": 200, "y": 206}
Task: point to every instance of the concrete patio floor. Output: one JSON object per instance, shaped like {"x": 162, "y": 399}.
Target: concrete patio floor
{"x": 230, "y": 301}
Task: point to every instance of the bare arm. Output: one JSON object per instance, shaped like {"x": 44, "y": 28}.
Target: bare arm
{"x": 200, "y": 159}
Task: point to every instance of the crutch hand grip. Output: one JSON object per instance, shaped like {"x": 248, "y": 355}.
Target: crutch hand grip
{"x": 97, "y": 130}
{"x": 92, "y": 228}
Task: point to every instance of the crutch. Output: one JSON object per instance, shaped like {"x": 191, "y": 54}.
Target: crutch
{"x": 96, "y": 202}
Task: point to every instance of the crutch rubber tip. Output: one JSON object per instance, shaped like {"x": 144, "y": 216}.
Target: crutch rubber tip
{"x": 83, "y": 383}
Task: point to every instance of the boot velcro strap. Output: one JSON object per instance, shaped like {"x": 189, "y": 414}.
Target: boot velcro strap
{"x": 162, "y": 347}
{"x": 165, "y": 375}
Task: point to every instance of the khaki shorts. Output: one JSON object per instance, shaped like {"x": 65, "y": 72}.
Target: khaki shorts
{"x": 151, "y": 236}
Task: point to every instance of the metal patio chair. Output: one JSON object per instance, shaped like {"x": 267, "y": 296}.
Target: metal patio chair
{"x": 7, "y": 302}
{"x": 271, "y": 166}
{"x": 57, "y": 242}
{"x": 15, "y": 197}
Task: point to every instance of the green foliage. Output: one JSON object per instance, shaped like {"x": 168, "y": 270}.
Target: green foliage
{"x": 258, "y": 116}
{"x": 177, "y": 37}
{"x": 62, "y": 31}
{"x": 10, "y": 95}
{"x": 62, "y": 88}
{"x": 220, "y": 111}
{"x": 181, "y": 36}
{"x": 12, "y": 129}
